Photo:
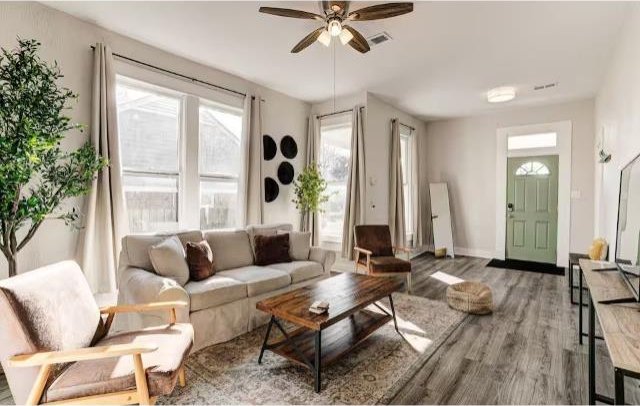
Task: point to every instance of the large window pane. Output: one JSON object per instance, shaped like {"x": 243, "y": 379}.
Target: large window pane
{"x": 152, "y": 203}
{"x": 335, "y": 153}
{"x": 218, "y": 204}
{"x": 406, "y": 155}
{"x": 220, "y": 135}
{"x": 149, "y": 128}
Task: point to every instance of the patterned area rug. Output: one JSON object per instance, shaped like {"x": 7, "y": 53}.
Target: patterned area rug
{"x": 373, "y": 372}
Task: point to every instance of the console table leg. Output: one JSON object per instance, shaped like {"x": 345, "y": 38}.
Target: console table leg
{"x": 619, "y": 384}
{"x": 266, "y": 339}
{"x": 318, "y": 360}
{"x": 393, "y": 313}
{"x": 580, "y": 307}
{"x": 592, "y": 352}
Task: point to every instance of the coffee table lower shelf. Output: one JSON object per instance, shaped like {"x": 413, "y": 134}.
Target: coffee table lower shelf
{"x": 315, "y": 348}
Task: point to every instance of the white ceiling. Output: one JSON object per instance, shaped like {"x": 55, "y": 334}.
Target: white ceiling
{"x": 443, "y": 57}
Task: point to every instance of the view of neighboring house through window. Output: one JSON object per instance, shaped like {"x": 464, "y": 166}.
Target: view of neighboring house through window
{"x": 149, "y": 125}
{"x": 406, "y": 157}
{"x": 220, "y": 165}
{"x": 162, "y": 177}
{"x": 335, "y": 153}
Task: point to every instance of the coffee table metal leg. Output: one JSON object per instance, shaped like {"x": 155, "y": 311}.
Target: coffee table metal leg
{"x": 393, "y": 313}
{"x": 318, "y": 360}
{"x": 266, "y": 339}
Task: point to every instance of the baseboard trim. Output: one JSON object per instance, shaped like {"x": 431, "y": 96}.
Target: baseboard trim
{"x": 467, "y": 252}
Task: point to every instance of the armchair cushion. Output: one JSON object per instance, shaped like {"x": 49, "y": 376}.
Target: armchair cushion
{"x": 375, "y": 238}
{"x": 102, "y": 376}
{"x": 389, "y": 264}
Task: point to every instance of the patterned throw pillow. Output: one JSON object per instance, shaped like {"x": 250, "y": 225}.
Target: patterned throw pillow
{"x": 200, "y": 260}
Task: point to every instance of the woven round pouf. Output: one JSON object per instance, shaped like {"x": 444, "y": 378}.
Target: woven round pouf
{"x": 470, "y": 297}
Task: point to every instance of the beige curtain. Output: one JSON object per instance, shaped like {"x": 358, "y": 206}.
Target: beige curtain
{"x": 355, "y": 201}
{"x": 313, "y": 145}
{"x": 253, "y": 184}
{"x": 106, "y": 215}
{"x": 396, "y": 195}
{"x": 418, "y": 231}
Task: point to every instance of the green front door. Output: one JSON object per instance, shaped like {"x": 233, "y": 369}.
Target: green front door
{"x": 532, "y": 208}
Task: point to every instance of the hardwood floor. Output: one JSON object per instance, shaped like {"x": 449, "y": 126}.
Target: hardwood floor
{"x": 526, "y": 352}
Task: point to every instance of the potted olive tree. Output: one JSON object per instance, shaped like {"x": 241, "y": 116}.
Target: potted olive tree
{"x": 36, "y": 174}
{"x": 309, "y": 190}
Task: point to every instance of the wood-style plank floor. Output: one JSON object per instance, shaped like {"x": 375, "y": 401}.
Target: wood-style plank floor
{"x": 526, "y": 352}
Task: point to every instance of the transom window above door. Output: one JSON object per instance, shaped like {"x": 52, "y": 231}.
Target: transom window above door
{"x": 532, "y": 168}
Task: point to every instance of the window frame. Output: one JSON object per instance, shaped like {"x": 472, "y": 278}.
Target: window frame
{"x": 407, "y": 180}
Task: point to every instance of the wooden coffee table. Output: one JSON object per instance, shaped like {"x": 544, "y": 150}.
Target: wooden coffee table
{"x": 319, "y": 340}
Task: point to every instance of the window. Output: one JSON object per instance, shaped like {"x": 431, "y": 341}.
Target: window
{"x": 406, "y": 158}
{"x": 542, "y": 140}
{"x": 149, "y": 125}
{"x": 335, "y": 153}
{"x": 532, "y": 168}
{"x": 166, "y": 187}
{"x": 220, "y": 165}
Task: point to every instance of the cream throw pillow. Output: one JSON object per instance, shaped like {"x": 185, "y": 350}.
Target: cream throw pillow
{"x": 299, "y": 244}
{"x": 168, "y": 260}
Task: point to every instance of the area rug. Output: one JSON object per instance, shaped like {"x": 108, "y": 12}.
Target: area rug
{"x": 373, "y": 372}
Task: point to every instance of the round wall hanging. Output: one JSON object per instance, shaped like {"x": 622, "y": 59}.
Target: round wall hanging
{"x": 271, "y": 190}
{"x": 269, "y": 147}
{"x": 285, "y": 173}
{"x": 288, "y": 147}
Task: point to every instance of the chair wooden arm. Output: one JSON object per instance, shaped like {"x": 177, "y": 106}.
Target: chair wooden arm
{"x": 143, "y": 307}
{"x": 363, "y": 251}
{"x": 81, "y": 354}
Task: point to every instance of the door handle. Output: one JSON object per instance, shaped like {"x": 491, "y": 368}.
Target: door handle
{"x": 510, "y": 207}
{"x": 434, "y": 217}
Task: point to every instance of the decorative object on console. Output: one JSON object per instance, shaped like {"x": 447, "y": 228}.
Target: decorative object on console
{"x": 309, "y": 190}
{"x": 271, "y": 249}
{"x": 599, "y": 249}
{"x": 271, "y": 189}
{"x": 168, "y": 259}
{"x": 470, "y": 297}
{"x": 37, "y": 175}
{"x": 200, "y": 260}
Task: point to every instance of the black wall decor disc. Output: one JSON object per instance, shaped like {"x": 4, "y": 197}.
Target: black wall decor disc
{"x": 288, "y": 147}
{"x": 285, "y": 173}
{"x": 271, "y": 189}
{"x": 269, "y": 147}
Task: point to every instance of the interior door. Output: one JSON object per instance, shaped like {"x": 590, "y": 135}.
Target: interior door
{"x": 441, "y": 217}
{"x": 532, "y": 208}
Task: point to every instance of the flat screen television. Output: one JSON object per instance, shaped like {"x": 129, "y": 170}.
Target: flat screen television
{"x": 628, "y": 234}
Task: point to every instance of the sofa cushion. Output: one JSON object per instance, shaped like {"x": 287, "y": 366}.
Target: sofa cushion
{"x": 300, "y": 270}
{"x": 97, "y": 377}
{"x": 299, "y": 244}
{"x": 266, "y": 229}
{"x": 136, "y": 247}
{"x": 231, "y": 249}
{"x": 259, "y": 279}
{"x": 168, "y": 260}
{"x": 271, "y": 249}
{"x": 215, "y": 291}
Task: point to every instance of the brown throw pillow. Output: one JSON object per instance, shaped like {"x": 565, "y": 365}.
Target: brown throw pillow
{"x": 200, "y": 260}
{"x": 271, "y": 249}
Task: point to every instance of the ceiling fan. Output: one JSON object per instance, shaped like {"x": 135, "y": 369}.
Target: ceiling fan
{"x": 335, "y": 19}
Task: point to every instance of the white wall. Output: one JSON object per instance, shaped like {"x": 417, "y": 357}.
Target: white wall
{"x": 66, "y": 40}
{"x": 617, "y": 114}
{"x": 462, "y": 152}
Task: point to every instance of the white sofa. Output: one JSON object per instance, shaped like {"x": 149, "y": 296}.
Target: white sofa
{"x": 223, "y": 306}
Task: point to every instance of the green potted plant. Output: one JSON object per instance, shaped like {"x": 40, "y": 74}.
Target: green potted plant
{"x": 36, "y": 174}
{"x": 309, "y": 190}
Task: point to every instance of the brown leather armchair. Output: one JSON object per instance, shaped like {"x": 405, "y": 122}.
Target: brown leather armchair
{"x": 376, "y": 256}
{"x": 55, "y": 346}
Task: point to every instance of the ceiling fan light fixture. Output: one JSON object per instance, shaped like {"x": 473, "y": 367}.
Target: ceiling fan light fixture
{"x": 345, "y": 36}
{"x": 325, "y": 38}
{"x": 334, "y": 27}
{"x": 501, "y": 94}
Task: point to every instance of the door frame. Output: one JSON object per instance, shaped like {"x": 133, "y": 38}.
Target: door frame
{"x": 563, "y": 129}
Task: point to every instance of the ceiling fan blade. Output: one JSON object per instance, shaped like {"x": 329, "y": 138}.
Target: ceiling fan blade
{"x": 308, "y": 40}
{"x": 380, "y": 11}
{"x": 335, "y": 7}
{"x": 358, "y": 42}
{"x": 287, "y": 12}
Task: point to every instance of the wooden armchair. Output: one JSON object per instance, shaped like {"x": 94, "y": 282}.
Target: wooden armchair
{"x": 55, "y": 347}
{"x": 376, "y": 256}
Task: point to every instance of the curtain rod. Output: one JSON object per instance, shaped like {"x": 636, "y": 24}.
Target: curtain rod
{"x": 192, "y": 79}
{"x": 408, "y": 126}
{"x": 338, "y": 112}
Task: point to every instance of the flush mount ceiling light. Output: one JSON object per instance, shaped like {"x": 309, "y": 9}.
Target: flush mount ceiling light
{"x": 337, "y": 19}
{"x": 501, "y": 94}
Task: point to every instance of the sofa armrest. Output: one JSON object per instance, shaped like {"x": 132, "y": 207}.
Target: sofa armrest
{"x": 322, "y": 256}
{"x": 139, "y": 286}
